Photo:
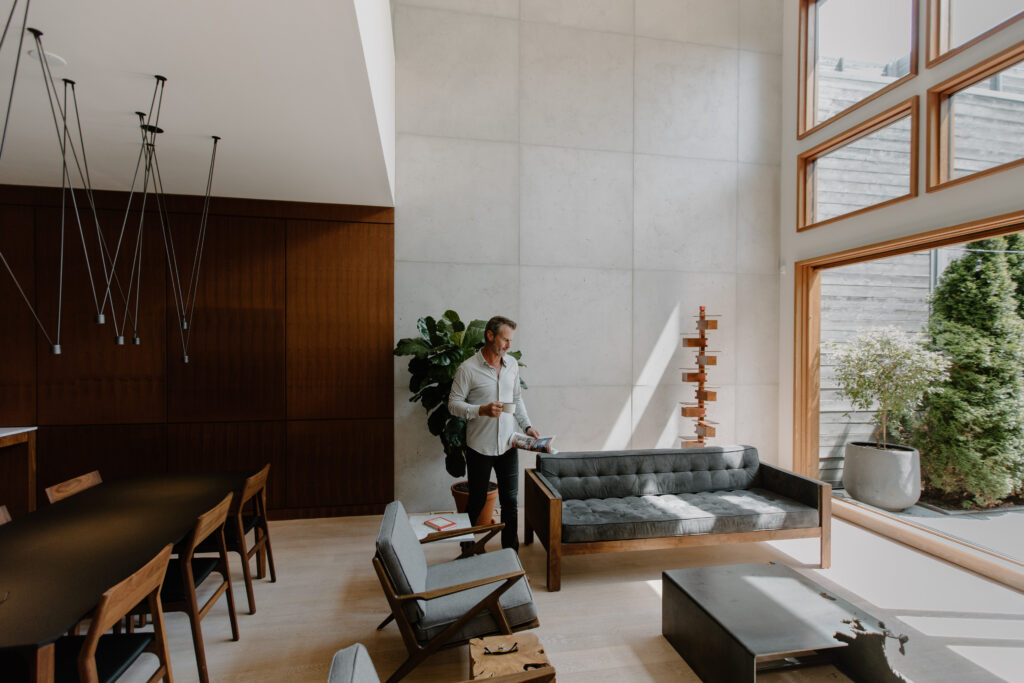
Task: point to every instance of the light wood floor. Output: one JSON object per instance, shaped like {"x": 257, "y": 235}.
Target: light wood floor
{"x": 605, "y": 624}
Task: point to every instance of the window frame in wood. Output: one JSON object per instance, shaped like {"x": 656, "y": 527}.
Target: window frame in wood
{"x": 807, "y": 100}
{"x": 807, "y": 381}
{"x": 805, "y": 181}
{"x": 939, "y": 131}
{"x": 937, "y": 49}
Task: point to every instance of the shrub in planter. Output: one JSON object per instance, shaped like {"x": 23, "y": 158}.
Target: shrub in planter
{"x": 887, "y": 371}
{"x": 971, "y": 430}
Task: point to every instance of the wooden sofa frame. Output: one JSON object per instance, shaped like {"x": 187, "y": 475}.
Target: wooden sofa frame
{"x": 543, "y": 517}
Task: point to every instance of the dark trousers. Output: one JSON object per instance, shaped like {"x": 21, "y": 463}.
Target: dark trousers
{"x": 506, "y": 468}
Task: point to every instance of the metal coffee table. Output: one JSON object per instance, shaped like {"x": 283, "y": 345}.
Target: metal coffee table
{"x": 726, "y": 621}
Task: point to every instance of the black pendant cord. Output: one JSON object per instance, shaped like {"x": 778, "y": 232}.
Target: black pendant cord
{"x": 17, "y": 63}
{"x": 136, "y": 251}
{"x": 51, "y": 95}
{"x": 193, "y": 281}
{"x": 63, "y": 218}
{"x": 127, "y": 317}
{"x": 10, "y": 18}
{"x": 172, "y": 264}
{"x": 28, "y": 303}
{"x": 3, "y": 141}
{"x": 107, "y": 261}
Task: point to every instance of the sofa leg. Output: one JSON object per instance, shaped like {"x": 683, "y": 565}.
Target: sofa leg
{"x": 554, "y": 568}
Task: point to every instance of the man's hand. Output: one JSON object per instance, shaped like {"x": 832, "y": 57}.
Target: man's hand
{"x": 492, "y": 409}
{"x": 533, "y": 432}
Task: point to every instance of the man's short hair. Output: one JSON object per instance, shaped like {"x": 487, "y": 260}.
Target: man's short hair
{"x": 495, "y": 323}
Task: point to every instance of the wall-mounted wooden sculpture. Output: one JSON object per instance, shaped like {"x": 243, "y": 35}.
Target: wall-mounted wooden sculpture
{"x": 703, "y": 394}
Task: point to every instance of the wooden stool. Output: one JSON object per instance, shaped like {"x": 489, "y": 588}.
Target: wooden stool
{"x": 487, "y": 658}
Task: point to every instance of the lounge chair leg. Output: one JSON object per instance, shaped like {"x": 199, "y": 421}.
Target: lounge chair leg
{"x": 408, "y": 665}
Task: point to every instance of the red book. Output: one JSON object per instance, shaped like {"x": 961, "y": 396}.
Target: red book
{"x": 439, "y": 523}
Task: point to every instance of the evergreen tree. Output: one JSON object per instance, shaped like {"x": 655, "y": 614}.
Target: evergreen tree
{"x": 1015, "y": 261}
{"x": 971, "y": 433}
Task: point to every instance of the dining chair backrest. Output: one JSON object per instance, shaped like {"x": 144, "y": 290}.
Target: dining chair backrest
{"x": 207, "y": 523}
{"x": 5, "y": 515}
{"x": 72, "y": 486}
{"x": 116, "y": 602}
{"x": 187, "y": 572}
{"x": 255, "y": 484}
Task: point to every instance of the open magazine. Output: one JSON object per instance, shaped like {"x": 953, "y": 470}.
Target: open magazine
{"x": 542, "y": 444}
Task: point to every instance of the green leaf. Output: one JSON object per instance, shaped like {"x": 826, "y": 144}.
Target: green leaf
{"x": 411, "y": 347}
{"x": 434, "y": 396}
{"x": 436, "y": 420}
{"x": 453, "y": 317}
{"x": 425, "y": 325}
{"x": 455, "y": 462}
{"x": 474, "y": 336}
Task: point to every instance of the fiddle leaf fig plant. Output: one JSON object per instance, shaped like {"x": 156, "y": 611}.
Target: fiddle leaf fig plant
{"x": 442, "y": 346}
{"x": 888, "y": 371}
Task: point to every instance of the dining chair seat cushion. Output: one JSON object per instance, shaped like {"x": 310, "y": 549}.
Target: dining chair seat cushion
{"x": 402, "y": 556}
{"x": 174, "y": 589}
{"x": 352, "y": 665}
{"x": 114, "y": 655}
{"x": 517, "y": 601}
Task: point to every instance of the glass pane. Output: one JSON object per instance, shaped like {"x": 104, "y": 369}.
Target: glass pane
{"x": 914, "y": 292}
{"x": 862, "y": 46}
{"x": 988, "y": 123}
{"x": 970, "y": 18}
{"x": 868, "y": 171}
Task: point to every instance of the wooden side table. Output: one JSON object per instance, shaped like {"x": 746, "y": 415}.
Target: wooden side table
{"x": 25, "y": 500}
{"x": 491, "y": 657}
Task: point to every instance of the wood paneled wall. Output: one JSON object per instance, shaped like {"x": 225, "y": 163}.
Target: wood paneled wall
{"x": 289, "y": 361}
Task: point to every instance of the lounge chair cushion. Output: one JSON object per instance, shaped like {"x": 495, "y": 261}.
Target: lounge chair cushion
{"x": 517, "y": 601}
{"x": 352, "y": 665}
{"x": 402, "y": 555}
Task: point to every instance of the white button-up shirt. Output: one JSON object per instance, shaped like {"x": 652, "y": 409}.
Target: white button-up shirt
{"x": 476, "y": 384}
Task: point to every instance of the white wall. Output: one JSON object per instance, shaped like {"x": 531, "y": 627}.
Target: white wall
{"x": 377, "y": 36}
{"x": 595, "y": 170}
{"x": 988, "y": 196}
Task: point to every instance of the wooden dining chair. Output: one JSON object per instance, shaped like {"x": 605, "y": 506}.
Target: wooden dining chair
{"x": 97, "y": 657}
{"x": 72, "y": 486}
{"x": 249, "y": 514}
{"x": 5, "y": 515}
{"x": 186, "y": 572}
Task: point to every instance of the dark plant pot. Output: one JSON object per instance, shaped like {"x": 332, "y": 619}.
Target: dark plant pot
{"x": 887, "y": 478}
{"x": 460, "y": 492}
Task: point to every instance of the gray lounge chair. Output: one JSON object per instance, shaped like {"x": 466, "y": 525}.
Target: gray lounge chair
{"x": 447, "y": 604}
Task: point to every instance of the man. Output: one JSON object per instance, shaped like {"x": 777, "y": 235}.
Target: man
{"x": 482, "y": 387}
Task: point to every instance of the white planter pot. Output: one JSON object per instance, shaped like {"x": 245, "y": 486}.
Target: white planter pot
{"x": 889, "y": 479}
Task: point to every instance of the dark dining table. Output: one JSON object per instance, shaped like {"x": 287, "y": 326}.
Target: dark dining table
{"x": 56, "y": 562}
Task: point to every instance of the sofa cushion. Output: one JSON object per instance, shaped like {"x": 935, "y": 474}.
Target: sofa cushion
{"x": 517, "y": 601}
{"x": 402, "y": 556}
{"x": 618, "y": 474}
{"x": 616, "y": 519}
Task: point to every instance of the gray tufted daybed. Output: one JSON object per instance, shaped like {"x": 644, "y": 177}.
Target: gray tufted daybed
{"x": 609, "y": 501}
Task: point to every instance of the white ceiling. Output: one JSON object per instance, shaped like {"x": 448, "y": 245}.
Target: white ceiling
{"x": 284, "y": 84}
